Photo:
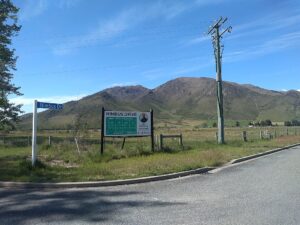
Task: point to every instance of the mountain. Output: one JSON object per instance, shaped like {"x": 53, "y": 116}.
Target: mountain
{"x": 181, "y": 98}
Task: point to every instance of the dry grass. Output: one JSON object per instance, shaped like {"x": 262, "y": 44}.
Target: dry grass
{"x": 63, "y": 163}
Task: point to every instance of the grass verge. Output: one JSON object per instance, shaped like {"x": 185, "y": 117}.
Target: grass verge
{"x": 61, "y": 163}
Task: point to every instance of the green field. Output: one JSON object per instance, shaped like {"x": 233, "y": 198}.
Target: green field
{"x": 62, "y": 161}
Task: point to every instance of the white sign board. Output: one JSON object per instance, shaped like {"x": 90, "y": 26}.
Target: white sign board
{"x": 122, "y": 123}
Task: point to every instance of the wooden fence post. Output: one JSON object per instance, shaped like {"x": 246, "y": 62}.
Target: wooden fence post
{"x": 161, "y": 141}
{"x": 180, "y": 140}
{"x": 245, "y": 136}
{"x": 76, "y": 142}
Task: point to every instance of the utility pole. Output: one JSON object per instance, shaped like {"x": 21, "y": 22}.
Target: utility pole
{"x": 214, "y": 31}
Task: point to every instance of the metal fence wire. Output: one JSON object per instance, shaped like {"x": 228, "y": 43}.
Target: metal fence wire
{"x": 25, "y": 141}
{"x": 231, "y": 134}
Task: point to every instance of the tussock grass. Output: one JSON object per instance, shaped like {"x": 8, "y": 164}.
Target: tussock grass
{"x": 62, "y": 162}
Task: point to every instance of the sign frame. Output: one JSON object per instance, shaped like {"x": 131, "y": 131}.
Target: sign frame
{"x": 127, "y": 114}
{"x": 127, "y": 124}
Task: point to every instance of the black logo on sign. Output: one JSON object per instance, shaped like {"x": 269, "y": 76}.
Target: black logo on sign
{"x": 143, "y": 117}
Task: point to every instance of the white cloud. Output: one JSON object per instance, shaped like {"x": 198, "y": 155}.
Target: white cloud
{"x": 197, "y": 40}
{"x": 123, "y": 84}
{"x": 272, "y": 21}
{"x": 28, "y": 102}
{"x": 68, "y": 3}
{"x": 52, "y": 99}
{"x": 32, "y": 9}
{"x": 124, "y": 21}
{"x": 282, "y": 42}
{"x": 170, "y": 11}
{"x": 265, "y": 24}
{"x": 183, "y": 71}
{"x": 102, "y": 32}
{"x": 153, "y": 74}
{"x": 276, "y": 44}
{"x": 285, "y": 90}
{"x": 209, "y": 2}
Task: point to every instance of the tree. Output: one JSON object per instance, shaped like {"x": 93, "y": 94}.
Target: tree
{"x": 295, "y": 122}
{"x": 8, "y": 29}
{"x": 268, "y": 122}
{"x": 287, "y": 123}
{"x": 80, "y": 131}
{"x": 204, "y": 125}
{"x": 263, "y": 123}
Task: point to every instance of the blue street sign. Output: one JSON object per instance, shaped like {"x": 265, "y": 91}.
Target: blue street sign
{"x": 46, "y": 105}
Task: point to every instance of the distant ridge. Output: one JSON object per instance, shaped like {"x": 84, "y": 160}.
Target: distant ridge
{"x": 181, "y": 98}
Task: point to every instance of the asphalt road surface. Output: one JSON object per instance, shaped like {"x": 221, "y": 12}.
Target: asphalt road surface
{"x": 262, "y": 191}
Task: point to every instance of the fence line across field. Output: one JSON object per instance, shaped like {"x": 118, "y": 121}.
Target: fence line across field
{"x": 189, "y": 136}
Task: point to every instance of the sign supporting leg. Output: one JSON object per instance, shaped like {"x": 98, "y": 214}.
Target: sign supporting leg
{"x": 152, "y": 132}
{"x": 102, "y": 131}
{"x": 123, "y": 143}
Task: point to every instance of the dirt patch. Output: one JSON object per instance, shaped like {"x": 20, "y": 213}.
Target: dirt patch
{"x": 61, "y": 163}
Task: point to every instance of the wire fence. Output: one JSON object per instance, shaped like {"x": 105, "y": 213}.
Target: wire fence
{"x": 188, "y": 136}
{"x": 24, "y": 141}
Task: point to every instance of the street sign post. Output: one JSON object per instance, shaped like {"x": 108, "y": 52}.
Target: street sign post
{"x": 37, "y": 105}
{"x": 34, "y": 129}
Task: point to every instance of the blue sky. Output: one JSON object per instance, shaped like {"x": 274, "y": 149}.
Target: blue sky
{"x": 68, "y": 49}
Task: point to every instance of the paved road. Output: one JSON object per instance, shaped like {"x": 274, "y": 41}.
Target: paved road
{"x": 261, "y": 191}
